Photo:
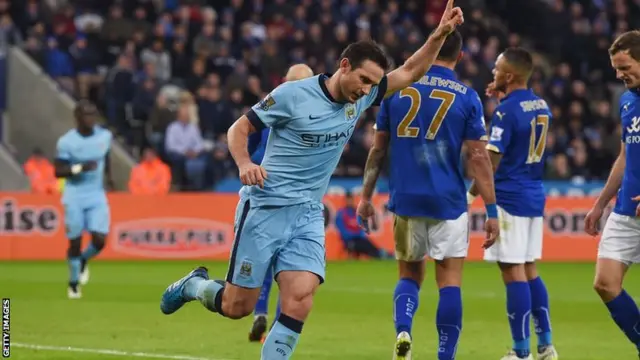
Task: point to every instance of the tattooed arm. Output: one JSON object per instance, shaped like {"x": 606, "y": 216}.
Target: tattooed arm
{"x": 376, "y": 158}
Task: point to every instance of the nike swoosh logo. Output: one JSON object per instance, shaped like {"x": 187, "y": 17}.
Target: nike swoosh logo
{"x": 283, "y": 343}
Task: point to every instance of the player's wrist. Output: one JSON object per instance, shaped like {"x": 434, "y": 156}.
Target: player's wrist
{"x": 492, "y": 211}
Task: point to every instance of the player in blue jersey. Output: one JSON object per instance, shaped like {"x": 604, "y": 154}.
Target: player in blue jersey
{"x": 82, "y": 160}
{"x": 620, "y": 243}
{"x": 257, "y": 147}
{"x": 279, "y": 219}
{"x": 424, "y": 127}
{"x": 516, "y": 146}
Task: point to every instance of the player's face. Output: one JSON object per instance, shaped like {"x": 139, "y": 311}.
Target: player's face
{"x": 501, "y": 74}
{"x": 627, "y": 69}
{"x": 87, "y": 119}
{"x": 358, "y": 82}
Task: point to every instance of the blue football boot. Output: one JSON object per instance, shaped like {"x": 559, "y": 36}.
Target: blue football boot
{"x": 172, "y": 298}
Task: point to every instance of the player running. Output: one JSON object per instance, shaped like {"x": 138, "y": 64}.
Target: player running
{"x": 426, "y": 125}
{"x": 279, "y": 219}
{"x": 516, "y": 147}
{"x": 257, "y": 147}
{"x": 620, "y": 243}
{"x": 83, "y": 157}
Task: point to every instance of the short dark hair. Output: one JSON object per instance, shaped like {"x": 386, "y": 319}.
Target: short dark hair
{"x": 521, "y": 59}
{"x": 451, "y": 48}
{"x": 629, "y": 41}
{"x": 84, "y": 107}
{"x": 360, "y": 51}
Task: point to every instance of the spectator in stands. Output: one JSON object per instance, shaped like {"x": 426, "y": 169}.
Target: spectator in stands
{"x": 119, "y": 93}
{"x": 184, "y": 148}
{"x": 41, "y": 174}
{"x": 214, "y": 112}
{"x": 59, "y": 66}
{"x": 151, "y": 176}
{"x": 159, "y": 119}
{"x": 85, "y": 61}
{"x": 160, "y": 58}
{"x": 355, "y": 240}
{"x": 222, "y": 166}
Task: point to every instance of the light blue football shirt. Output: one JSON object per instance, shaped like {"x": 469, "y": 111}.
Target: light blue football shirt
{"x": 76, "y": 149}
{"x": 309, "y": 130}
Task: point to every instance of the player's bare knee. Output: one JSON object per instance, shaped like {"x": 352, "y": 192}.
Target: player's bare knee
{"x": 449, "y": 272}
{"x": 98, "y": 240}
{"x": 608, "y": 289}
{"x": 512, "y": 272}
{"x": 297, "y": 305}
{"x": 413, "y": 270}
{"x": 531, "y": 270}
{"x": 75, "y": 248}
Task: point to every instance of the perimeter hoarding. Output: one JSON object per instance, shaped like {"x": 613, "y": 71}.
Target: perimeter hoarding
{"x": 200, "y": 226}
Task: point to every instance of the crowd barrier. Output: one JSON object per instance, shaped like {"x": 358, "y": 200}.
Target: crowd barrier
{"x": 200, "y": 226}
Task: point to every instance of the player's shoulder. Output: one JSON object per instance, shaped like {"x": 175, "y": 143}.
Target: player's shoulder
{"x": 103, "y": 132}
{"x": 628, "y": 97}
{"x": 67, "y": 137}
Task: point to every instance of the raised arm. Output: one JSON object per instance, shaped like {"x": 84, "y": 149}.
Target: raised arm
{"x": 420, "y": 62}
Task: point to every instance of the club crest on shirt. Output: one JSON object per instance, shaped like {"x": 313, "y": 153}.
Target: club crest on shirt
{"x": 350, "y": 111}
{"x": 266, "y": 103}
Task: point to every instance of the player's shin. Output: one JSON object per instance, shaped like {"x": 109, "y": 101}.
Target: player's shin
{"x": 405, "y": 304}
{"x": 95, "y": 246}
{"x": 540, "y": 312}
{"x": 519, "y": 312}
{"x": 282, "y": 339}
{"x": 449, "y": 322}
{"x": 625, "y": 313}
{"x": 74, "y": 261}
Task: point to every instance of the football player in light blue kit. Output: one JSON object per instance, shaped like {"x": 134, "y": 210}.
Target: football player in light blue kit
{"x": 516, "y": 147}
{"x": 424, "y": 127}
{"x": 620, "y": 243}
{"x": 257, "y": 146}
{"x": 82, "y": 158}
{"x": 279, "y": 219}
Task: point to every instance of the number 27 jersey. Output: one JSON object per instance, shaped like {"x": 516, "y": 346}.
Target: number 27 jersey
{"x": 519, "y": 132}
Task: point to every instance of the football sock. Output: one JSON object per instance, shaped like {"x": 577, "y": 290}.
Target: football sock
{"x": 449, "y": 321}
{"x": 262, "y": 306}
{"x": 540, "y": 312}
{"x": 405, "y": 304}
{"x": 74, "y": 270}
{"x": 208, "y": 292}
{"x": 625, "y": 313}
{"x": 518, "y": 312}
{"x": 89, "y": 252}
{"x": 282, "y": 339}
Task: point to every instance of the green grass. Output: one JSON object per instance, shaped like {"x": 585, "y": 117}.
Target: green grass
{"x": 351, "y": 317}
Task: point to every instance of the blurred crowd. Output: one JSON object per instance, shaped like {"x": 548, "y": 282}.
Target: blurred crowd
{"x": 172, "y": 75}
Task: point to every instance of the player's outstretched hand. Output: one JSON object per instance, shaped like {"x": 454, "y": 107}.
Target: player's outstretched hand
{"x": 451, "y": 18}
{"x": 252, "y": 174}
{"x": 492, "y": 228}
{"x": 592, "y": 219}
{"x": 364, "y": 213}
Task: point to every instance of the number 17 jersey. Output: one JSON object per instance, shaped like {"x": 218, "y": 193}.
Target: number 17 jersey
{"x": 427, "y": 125}
{"x": 519, "y": 132}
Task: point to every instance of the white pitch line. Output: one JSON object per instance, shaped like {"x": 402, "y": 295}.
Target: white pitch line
{"x": 109, "y": 352}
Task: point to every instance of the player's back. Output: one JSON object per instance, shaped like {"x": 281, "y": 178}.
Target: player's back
{"x": 76, "y": 148}
{"x": 519, "y": 132}
{"x": 428, "y": 123}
